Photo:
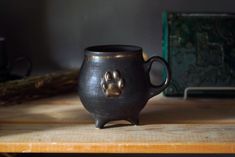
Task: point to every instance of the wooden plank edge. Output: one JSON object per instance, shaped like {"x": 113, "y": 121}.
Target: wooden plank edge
{"x": 205, "y": 148}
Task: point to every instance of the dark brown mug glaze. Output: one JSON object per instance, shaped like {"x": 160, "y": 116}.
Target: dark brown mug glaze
{"x": 114, "y": 82}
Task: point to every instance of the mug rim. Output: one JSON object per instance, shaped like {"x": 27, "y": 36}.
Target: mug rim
{"x": 113, "y": 49}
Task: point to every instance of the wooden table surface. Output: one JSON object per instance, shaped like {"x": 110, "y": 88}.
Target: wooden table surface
{"x": 167, "y": 125}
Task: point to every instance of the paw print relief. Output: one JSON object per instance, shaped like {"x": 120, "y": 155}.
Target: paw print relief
{"x": 112, "y": 83}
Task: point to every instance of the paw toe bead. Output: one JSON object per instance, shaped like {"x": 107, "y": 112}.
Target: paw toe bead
{"x": 116, "y": 74}
{"x": 120, "y": 83}
{"x": 107, "y": 76}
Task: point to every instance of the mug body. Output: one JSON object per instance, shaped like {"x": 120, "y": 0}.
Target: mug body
{"x": 113, "y": 83}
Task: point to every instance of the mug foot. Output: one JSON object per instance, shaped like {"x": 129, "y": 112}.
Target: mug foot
{"x": 100, "y": 122}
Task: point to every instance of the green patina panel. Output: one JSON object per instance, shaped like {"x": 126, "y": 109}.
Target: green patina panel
{"x": 200, "y": 48}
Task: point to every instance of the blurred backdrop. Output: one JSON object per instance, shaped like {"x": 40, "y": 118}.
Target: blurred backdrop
{"x": 53, "y": 33}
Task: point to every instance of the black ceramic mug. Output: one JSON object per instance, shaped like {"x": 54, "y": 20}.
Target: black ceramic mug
{"x": 114, "y": 82}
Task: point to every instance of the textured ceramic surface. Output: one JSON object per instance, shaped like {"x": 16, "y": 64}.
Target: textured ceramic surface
{"x": 114, "y": 82}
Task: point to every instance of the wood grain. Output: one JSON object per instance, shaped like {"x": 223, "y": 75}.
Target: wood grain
{"x": 168, "y": 125}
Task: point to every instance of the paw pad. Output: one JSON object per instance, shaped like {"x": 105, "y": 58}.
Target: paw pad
{"x": 112, "y": 83}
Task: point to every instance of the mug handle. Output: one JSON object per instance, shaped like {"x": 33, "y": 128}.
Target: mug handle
{"x": 156, "y": 89}
{"x": 23, "y": 59}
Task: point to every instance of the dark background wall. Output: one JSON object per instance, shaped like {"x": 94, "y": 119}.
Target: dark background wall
{"x": 53, "y": 33}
